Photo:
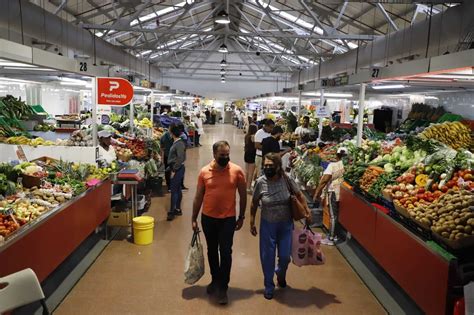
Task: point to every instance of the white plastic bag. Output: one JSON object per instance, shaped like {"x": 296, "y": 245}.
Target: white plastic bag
{"x": 194, "y": 265}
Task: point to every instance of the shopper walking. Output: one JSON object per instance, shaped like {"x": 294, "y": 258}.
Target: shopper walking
{"x": 330, "y": 187}
{"x": 166, "y": 141}
{"x": 199, "y": 129}
{"x": 272, "y": 144}
{"x": 176, "y": 159}
{"x": 216, "y": 193}
{"x": 272, "y": 193}
{"x": 249, "y": 155}
{"x": 261, "y": 134}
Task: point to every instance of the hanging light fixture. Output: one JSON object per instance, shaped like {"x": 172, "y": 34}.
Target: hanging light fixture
{"x": 222, "y": 71}
{"x": 223, "y": 63}
{"x": 222, "y": 18}
{"x": 222, "y": 78}
{"x": 223, "y": 49}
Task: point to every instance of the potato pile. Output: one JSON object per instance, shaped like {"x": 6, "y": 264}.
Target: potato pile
{"x": 451, "y": 216}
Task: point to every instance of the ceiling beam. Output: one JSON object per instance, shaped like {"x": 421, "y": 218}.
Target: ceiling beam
{"x": 387, "y": 17}
{"x": 281, "y": 34}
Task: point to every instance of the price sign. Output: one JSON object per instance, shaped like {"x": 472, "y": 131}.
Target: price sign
{"x": 21, "y": 154}
{"x": 6, "y": 211}
{"x": 322, "y": 112}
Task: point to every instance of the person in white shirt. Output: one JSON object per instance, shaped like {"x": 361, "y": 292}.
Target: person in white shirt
{"x": 261, "y": 134}
{"x": 304, "y": 129}
{"x": 199, "y": 128}
{"x": 106, "y": 151}
{"x": 330, "y": 183}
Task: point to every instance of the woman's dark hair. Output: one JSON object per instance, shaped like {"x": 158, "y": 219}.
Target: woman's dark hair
{"x": 276, "y": 159}
{"x": 277, "y": 130}
{"x": 175, "y": 130}
{"x": 269, "y": 122}
{"x": 321, "y": 145}
{"x": 218, "y": 144}
{"x": 341, "y": 154}
{"x": 250, "y": 132}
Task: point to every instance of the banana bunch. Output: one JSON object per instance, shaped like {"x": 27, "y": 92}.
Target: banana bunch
{"x": 18, "y": 140}
{"x": 40, "y": 141}
{"x": 455, "y": 134}
{"x": 145, "y": 123}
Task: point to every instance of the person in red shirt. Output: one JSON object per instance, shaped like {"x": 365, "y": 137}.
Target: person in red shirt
{"x": 216, "y": 192}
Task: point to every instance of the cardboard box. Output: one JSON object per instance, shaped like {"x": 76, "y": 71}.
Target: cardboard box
{"x": 119, "y": 218}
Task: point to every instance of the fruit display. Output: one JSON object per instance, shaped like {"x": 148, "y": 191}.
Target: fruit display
{"x": 370, "y": 177}
{"x": 22, "y": 140}
{"x": 44, "y": 127}
{"x": 144, "y": 123}
{"x": 137, "y": 146}
{"x": 123, "y": 154}
{"x": 8, "y": 225}
{"x": 451, "y": 216}
{"x": 454, "y": 134}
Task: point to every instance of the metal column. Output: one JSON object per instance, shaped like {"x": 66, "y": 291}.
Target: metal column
{"x": 320, "y": 124}
{"x": 94, "y": 111}
{"x": 360, "y": 122}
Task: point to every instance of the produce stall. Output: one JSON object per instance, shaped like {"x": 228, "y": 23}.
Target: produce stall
{"x": 408, "y": 201}
{"x": 56, "y": 206}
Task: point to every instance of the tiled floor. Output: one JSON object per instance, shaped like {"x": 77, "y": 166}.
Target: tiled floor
{"x": 130, "y": 279}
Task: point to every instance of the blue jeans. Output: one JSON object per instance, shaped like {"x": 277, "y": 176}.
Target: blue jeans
{"x": 273, "y": 236}
{"x": 176, "y": 191}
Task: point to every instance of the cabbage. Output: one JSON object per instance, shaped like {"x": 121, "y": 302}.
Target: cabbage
{"x": 388, "y": 168}
{"x": 386, "y": 157}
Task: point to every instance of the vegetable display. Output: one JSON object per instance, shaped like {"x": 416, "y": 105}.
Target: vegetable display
{"x": 451, "y": 216}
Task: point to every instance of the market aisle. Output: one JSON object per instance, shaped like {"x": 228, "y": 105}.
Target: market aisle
{"x": 129, "y": 279}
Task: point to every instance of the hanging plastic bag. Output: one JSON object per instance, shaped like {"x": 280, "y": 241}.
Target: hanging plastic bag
{"x": 306, "y": 247}
{"x": 194, "y": 264}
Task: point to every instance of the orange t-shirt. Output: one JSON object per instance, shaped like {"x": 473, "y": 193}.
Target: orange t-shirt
{"x": 220, "y": 188}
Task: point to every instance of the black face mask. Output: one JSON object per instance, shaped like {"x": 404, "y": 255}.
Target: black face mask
{"x": 223, "y": 161}
{"x": 269, "y": 172}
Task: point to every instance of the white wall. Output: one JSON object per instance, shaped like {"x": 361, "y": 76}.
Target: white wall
{"x": 17, "y": 90}
{"x": 58, "y": 101}
{"x": 216, "y": 89}
{"x": 456, "y": 103}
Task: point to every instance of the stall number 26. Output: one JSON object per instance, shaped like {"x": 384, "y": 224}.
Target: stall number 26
{"x": 83, "y": 66}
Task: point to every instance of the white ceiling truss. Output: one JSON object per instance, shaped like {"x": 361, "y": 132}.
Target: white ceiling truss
{"x": 266, "y": 38}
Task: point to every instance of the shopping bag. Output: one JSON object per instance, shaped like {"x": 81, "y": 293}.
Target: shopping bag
{"x": 306, "y": 247}
{"x": 194, "y": 264}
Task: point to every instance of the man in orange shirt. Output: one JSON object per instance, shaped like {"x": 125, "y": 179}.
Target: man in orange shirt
{"x": 216, "y": 190}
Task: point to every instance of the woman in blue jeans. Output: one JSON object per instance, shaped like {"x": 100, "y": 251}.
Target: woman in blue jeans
{"x": 176, "y": 159}
{"x": 276, "y": 225}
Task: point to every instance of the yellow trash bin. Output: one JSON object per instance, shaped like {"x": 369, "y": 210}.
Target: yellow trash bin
{"x": 143, "y": 230}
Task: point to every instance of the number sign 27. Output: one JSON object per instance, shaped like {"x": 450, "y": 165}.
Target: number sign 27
{"x": 375, "y": 73}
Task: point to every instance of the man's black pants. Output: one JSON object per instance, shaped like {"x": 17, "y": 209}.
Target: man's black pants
{"x": 219, "y": 237}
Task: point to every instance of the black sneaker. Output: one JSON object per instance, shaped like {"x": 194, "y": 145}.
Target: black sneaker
{"x": 268, "y": 295}
{"x": 281, "y": 281}
{"x": 222, "y": 299}
{"x": 184, "y": 188}
{"x": 211, "y": 288}
{"x": 170, "y": 216}
{"x": 178, "y": 212}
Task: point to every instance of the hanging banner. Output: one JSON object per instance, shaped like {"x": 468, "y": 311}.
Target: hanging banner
{"x": 114, "y": 92}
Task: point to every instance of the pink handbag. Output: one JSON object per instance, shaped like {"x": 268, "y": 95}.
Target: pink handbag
{"x": 306, "y": 247}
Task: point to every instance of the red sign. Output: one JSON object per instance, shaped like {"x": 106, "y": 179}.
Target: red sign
{"x": 114, "y": 92}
